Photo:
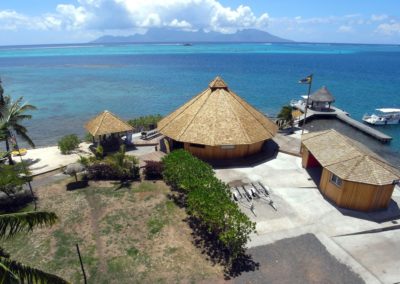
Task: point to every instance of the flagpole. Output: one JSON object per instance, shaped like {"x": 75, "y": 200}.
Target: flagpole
{"x": 308, "y": 98}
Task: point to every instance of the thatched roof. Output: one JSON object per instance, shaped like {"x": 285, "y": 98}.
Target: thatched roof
{"x": 341, "y": 156}
{"x": 107, "y": 123}
{"x": 322, "y": 95}
{"x": 217, "y": 116}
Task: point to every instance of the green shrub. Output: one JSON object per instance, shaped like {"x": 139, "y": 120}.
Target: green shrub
{"x": 118, "y": 166}
{"x": 99, "y": 152}
{"x": 208, "y": 200}
{"x": 146, "y": 122}
{"x": 68, "y": 143}
{"x": 88, "y": 137}
{"x": 184, "y": 171}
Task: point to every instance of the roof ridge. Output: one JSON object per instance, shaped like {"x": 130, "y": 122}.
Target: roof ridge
{"x": 376, "y": 178}
{"x": 243, "y": 105}
{"x": 388, "y": 167}
{"x": 319, "y": 133}
{"x": 240, "y": 122}
{"x": 101, "y": 121}
{"x": 198, "y": 110}
{"x": 193, "y": 100}
{"x": 343, "y": 161}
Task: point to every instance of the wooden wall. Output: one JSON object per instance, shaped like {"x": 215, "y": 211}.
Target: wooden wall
{"x": 307, "y": 159}
{"x": 216, "y": 152}
{"x": 354, "y": 195}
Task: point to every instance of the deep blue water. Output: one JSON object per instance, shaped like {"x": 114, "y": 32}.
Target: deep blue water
{"x": 70, "y": 84}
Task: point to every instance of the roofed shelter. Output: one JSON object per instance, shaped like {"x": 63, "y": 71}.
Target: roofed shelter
{"x": 218, "y": 124}
{"x": 107, "y": 127}
{"x": 351, "y": 177}
{"x": 321, "y": 99}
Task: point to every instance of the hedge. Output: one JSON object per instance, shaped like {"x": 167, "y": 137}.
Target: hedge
{"x": 209, "y": 200}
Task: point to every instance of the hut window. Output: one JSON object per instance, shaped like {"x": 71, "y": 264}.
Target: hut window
{"x": 228, "y": 147}
{"x": 197, "y": 145}
{"x": 336, "y": 180}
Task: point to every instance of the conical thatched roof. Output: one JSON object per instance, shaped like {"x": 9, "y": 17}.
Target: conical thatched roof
{"x": 341, "y": 156}
{"x": 107, "y": 123}
{"x": 322, "y": 95}
{"x": 217, "y": 116}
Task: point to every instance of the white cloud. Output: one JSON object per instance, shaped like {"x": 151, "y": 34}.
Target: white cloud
{"x": 101, "y": 15}
{"x": 12, "y": 20}
{"x": 345, "y": 29}
{"x": 378, "y": 18}
{"x": 388, "y": 29}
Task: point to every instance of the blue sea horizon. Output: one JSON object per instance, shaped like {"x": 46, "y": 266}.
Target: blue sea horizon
{"x": 71, "y": 84}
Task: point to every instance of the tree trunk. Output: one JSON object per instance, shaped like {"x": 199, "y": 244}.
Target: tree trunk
{"x": 76, "y": 177}
{"x": 10, "y": 160}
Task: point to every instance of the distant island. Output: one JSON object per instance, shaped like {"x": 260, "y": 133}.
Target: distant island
{"x": 160, "y": 35}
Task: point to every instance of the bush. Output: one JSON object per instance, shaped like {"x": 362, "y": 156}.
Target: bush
{"x": 99, "y": 152}
{"x": 208, "y": 200}
{"x": 103, "y": 171}
{"x": 146, "y": 122}
{"x": 184, "y": 171}
{"x": 118, "y": 166}
{"x": 88, "y": 137}
{"x": 153, "y": 170}
{"x": 68, "y": 143}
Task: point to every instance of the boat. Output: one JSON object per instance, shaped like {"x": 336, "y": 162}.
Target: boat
{"x": 384, "y": 116}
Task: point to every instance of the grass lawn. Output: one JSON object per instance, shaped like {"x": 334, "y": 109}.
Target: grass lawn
{"x": 132, "y": 234}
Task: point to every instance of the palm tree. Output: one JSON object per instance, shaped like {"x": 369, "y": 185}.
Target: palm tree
{"x": 12, "y": 113}
{"x": 286, "y": 115}
{"x": 1, "y": 93}
{"x": 12, "y": 271}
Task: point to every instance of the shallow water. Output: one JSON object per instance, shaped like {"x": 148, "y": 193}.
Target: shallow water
{"x": 70, "y": 84}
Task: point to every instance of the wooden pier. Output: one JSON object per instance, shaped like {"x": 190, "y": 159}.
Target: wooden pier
{"x": 344, "y": 117}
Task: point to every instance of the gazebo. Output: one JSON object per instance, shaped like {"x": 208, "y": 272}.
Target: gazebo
{"x": 217, "y": 124}
{"x": 351, "y": 177}
{"x": 106, "y": 129}
{"x": 321, "y": 99}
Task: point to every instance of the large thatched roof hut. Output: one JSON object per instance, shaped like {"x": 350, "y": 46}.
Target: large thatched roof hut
{"x": 351, "y": 177}
{"x": 321, "y": 99}
{"x": 217, "y": 124}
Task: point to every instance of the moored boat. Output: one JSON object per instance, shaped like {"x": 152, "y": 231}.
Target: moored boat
{"x": 384, "y": 116}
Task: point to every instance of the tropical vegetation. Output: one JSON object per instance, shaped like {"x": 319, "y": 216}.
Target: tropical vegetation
{"x": 209, "y": 201}
{"x": 68, "y": 143}
{"x": 153, "y": 170}
{"x": 146, "y": 122}
{"x": 12, "y": 271}
{"x": 117, "y": 166}
{"x": 12, "y": 114}
{"x": 286, "y": 116}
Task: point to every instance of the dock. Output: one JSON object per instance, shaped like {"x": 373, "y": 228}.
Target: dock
{"x": 344, "y": 117}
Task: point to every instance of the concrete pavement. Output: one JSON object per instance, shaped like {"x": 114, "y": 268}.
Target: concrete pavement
{"x": 302, "y": 209}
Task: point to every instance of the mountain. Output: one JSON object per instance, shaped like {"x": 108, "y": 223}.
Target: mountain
{"x": 167, "y": 35}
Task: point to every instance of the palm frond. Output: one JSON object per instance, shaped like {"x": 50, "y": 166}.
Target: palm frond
{"x": 11, "y": 224}
{"x": 13, "y": 271}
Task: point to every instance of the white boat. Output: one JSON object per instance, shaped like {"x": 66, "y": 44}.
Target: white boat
{"x": 384, "y": 116}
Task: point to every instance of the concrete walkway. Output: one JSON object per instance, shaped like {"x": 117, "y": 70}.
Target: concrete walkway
{"x": 301, "y": 209}
{"x": 42, "y": 160}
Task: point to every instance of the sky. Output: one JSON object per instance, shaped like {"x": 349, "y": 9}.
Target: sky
{"x": 24, "y": 22}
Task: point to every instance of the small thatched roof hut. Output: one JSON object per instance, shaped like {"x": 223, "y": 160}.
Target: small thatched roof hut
{"x": 217, "y": 123}
{"x": 107, "y": 123}
{"x": 322, "y": 95}
{"x": 321, "y": 99}
{"x": 351, "y": 176}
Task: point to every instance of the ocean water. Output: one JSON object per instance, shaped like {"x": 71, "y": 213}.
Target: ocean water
{"x": 72, "y": 83}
